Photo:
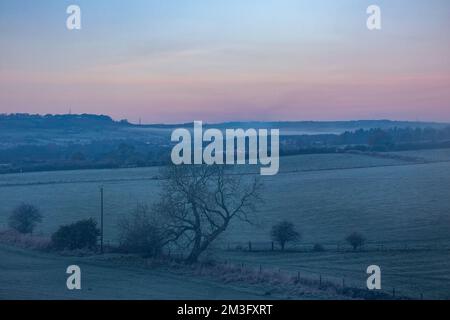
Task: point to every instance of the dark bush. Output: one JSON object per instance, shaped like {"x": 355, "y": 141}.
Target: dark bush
{"x": 141, "y": 232}
{"x": 79, "y": 235}
{"x": 356, "y": 240}
{"x": 24, "y": 218}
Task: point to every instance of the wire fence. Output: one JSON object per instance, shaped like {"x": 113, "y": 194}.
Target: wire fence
{"x": 304, "y": 277}
{"x": 405, "y": 245}
{"x": 343, "y": 280}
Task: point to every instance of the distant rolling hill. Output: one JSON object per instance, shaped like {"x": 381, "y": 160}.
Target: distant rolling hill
{"x": 69, "y": 126}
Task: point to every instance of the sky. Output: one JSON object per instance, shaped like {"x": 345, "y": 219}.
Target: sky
{"x": 214, "y": 60}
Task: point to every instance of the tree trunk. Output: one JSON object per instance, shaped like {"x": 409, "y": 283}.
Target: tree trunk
{"x": 201, "y": 245}
{"x": 193, "y": 256}
{"x": 196, "y": 248}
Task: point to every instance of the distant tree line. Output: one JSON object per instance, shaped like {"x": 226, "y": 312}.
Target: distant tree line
{"x": 95, "y": 148}
{"x": 96, "y": 155}
{"x": 63, "y": 121}
{"x": 392, "y": 139}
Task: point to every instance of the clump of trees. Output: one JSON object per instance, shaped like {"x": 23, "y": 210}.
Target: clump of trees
{"x": 284, "y": 232}
{"x": 372, "y": 140}
{"x": 24, "y": 218}
{"x": 356, "y": 240}
{"x": 198, "y": 203}
{"x": 79, "y": 235}
{"x": 142, "y": 232}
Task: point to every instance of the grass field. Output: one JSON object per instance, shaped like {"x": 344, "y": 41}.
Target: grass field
{"x": 429, "y": 155}
{"x": 69, "y": 195}
{"x": 389, "y": 200}
{"x": 416, "y": 274}
{"x": 327, "y": 196}
{"x": 32, "y": 275}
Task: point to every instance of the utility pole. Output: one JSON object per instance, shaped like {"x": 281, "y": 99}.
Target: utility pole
{"x": 101, "y": 219}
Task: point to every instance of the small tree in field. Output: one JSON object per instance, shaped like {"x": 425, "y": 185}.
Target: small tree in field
{"x": 24, "y": 218}
{"x": 356, "y": 240}
{"x": 284, "y": 232}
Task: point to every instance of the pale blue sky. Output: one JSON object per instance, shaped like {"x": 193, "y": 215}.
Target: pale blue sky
{"x": 174, "y": 60}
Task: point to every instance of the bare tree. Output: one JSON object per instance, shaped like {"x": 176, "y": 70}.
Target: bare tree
{"x": 284, "y": 232}
{"x": 199, "y": 202}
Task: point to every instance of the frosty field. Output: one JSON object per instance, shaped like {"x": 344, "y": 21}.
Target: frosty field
{"x": 327, "y": 196}
{"x": 33, "y": 275}
{"x": 395, "y": 202}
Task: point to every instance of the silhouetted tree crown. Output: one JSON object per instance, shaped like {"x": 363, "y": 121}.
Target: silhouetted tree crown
{"x": 284, "y": 232}
{"x": 199, "y": 203}
{"x": 356, "y": 240}
{"x": 24, "y": 218}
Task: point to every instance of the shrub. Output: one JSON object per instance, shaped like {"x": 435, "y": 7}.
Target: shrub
{"x": 141, "y": 233}
{"x": 284, "y": 232}
{"x": 356, "y": 240}
{"x": 24, "y": 218}
{"x": 21, "y": 240}
{"x": 79, "y": 235}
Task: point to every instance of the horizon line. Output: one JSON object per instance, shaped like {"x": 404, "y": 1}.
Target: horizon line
{"x": 115, "y": 119}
